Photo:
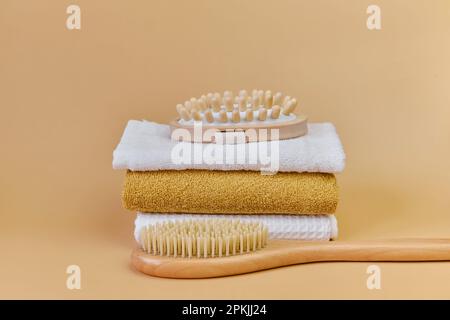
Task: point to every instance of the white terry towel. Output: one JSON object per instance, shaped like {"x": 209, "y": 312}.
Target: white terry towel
{"x": 147, "y": 146}
{"x": 300, "y": 227}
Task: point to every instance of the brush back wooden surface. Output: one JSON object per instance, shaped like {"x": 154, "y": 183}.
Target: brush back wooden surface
{"x": 286, "y": 130}
{"x": 242, "y": 113}
{"x": 281, "y": 253}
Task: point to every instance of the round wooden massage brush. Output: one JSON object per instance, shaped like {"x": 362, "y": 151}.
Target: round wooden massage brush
{"x": 241, "y": 113}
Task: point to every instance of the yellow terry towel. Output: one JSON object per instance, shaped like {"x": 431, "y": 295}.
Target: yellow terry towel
{"x": 230, "y": 192}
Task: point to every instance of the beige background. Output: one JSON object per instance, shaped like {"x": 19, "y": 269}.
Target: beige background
{"x": 65, "y": 97}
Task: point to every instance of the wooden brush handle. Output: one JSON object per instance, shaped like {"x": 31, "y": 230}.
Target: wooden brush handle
{"x": 290, "y": 252}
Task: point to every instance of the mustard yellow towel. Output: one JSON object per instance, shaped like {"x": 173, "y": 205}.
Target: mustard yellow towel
{"x": 230, "y": 192}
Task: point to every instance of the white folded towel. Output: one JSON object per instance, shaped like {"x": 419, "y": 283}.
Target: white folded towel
{"x": 300, "y": 227}
{"x": 147, "y": 146}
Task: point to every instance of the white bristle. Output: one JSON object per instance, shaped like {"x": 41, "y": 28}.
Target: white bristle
{"x": 201, "y": 103}
{"x": 228, "y": 93}
{"x": 290, "y": 107}
{"x": 215, "y": 103}
{"x": 262, "y": 116}
{"x": 249, "y": 115}
{"x": 217, "y": 96}
{"x": 261, "y": 97}
{"x": 179, "y": 107}
{"x": 228, "y": 103}
{"x": 188, "y": 105}
{"x": 209, "y": 116}
{"x": 209, "y": 97}
{"x": 184, "y": 114}
{"x": 214, "y": 108}
{"x": 255, "y": 102}
{"x": 275, "y": 112}
{"x": 242, "y": 102}
{"x": 278, "y": 99}
{"x": 196, "y": 115}
{"x": 243, "y": 93}
{"x": 236, "y": 117}
{"x": 223, "y": 116}
{"x": 194, "y": 103}
{"x": 203, "y": 238}
{"x": 294, "y": 102}
{"x": 286, "y": 100}
{"x": 268, "y": 100}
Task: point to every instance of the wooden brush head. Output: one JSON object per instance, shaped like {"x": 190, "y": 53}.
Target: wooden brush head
{"x": 248, "y": 115}
{"x": 203, "y": 238}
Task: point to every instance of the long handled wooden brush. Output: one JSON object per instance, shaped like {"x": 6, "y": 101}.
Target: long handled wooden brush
{"x": 216, "y": 248}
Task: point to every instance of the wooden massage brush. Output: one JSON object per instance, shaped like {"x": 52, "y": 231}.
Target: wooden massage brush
{"x": 240, "y": 113}
{"x": 216, "y": 247}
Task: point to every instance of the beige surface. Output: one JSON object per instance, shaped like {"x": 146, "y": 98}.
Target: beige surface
{"x": 65, "y": 97}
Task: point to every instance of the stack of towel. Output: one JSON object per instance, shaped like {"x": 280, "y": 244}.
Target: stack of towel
{"x": 298, "y": 202}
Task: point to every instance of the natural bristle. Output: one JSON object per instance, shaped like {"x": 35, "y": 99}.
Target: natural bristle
{"x": 229, "y": 109}
{"x": 203, "y": 238}
{"x": 277, "y": 99}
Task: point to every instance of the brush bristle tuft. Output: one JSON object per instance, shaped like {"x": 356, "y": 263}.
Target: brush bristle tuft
{"x": 259, "y": 106}
{"x": 203, "y": 238}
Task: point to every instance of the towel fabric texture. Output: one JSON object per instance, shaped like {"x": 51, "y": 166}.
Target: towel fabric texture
{"x": 147, "y": 146}
{"x": 295, "y": 227}
{"x": 232, "y": 192}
